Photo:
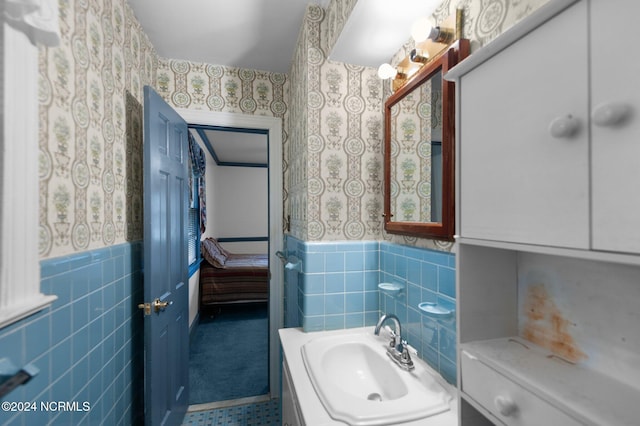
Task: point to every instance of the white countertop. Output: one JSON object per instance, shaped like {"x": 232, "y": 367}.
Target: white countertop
{"x": 292, "y": 340}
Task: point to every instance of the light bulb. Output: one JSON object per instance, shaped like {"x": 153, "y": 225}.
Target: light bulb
{"x": 421, "y": 29}
{"x": 386, "y": 71}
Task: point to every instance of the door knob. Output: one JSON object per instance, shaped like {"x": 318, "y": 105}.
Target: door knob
{"x": 609, "y": 114}
{"x": 159, "y": 305}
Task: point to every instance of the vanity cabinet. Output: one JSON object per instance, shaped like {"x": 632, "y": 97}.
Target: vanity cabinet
{"x": 290, "y": 408}
{"x": 548, "y": 246}
{"x": 549, "y": 132}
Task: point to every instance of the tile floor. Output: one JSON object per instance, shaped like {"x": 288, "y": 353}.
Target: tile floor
{"x": 265, "y": 413}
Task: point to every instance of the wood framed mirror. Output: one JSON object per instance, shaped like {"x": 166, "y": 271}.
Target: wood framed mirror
{"x": 419, "y": 151}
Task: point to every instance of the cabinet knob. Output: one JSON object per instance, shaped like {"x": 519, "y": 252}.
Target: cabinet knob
{"x": 609, "y": 114}
{"x": 564, "y": 127}
{"x": 505, "y": 405}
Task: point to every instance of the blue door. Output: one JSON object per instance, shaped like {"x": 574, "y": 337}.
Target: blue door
{"x": 166, "y": 285}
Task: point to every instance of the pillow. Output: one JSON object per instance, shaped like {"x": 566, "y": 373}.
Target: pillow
{"x": 212, "y": 254}
{"x": 221, "y": 249}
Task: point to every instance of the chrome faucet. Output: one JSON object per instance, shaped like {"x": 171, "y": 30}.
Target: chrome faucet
{"x": 397, "y": 349}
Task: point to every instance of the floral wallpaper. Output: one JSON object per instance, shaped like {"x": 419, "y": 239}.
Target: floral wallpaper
{"x": 335, "y": 153}
{"x": 91, "y": 122}
{"x": 335, "y": 185}
{"x": 89, "y": 197}
{"x": 202, "y": 86}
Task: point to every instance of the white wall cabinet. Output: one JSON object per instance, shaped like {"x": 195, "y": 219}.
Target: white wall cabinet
{"x": 550, "y": 151}
{"x": 615, "y": 83}
{"x": 548, "y": 160}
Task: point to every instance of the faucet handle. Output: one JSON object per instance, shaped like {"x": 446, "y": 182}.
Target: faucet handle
{"x": 408, "y": 350}
{"x": 407, "y": 347}
{"x": 405, "y": 356}
{"x": 394, "y": 338}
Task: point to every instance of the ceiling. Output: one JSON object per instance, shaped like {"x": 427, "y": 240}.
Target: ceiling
{"x": 262, "y": 35}
{"x": 254, "y": 34}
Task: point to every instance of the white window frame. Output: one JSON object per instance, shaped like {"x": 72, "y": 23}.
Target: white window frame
{"x": 20, "y": 294}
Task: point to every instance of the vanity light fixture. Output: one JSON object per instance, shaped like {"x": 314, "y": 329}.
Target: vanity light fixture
{"x": 423, "y": 30}
{"x": 386, "y": 71}
{"x": 419, "y": 56}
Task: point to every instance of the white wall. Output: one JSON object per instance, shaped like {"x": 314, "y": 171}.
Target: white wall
{"x": 237, "y": 200}
{"x": 240, "y": 206}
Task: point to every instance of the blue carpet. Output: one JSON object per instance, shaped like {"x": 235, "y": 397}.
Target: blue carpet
{"x": 229, "y": 355}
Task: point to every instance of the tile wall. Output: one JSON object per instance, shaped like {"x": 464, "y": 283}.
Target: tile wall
{"x": 338, "y": 288}
{"x": 428, "y": 276}
{"x": 339, "y": 284}
{"x": 87, "y": 345}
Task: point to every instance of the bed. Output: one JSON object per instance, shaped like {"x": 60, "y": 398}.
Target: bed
{"x": 230, "y": 278}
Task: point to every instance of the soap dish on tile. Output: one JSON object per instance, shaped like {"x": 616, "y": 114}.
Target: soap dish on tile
{"x": 392, "y": 289}
{"x": 436, "y": 311}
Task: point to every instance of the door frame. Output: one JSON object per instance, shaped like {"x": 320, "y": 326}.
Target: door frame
{"x": 276, "y": 231}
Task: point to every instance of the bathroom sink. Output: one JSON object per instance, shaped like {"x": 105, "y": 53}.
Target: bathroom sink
{"x": 357, "y": 382}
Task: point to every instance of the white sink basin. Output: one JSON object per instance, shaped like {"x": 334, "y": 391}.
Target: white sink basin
{"x": 359, "y": 384}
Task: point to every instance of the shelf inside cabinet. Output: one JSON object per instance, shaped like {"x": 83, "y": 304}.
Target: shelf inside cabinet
{"x": 585, "y": 394}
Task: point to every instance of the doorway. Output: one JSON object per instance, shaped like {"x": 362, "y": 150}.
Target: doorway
{"x": 229, "y": 351}
{"x": 272, "y": 127}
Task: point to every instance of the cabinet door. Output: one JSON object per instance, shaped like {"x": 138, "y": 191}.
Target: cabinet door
{"x": 517, "y": 182}
{"x": 615, "y": 66}
{"x": 289, "y": 410}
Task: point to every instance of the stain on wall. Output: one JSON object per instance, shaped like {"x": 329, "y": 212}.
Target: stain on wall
{"x": 546, "y": 326}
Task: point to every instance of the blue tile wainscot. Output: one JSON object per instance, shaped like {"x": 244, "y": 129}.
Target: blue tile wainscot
{"x": 87, "y": 345}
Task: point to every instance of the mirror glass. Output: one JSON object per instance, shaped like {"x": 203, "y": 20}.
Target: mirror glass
{"x": 416, "y": 154}
{"x": 419, "y": 151}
